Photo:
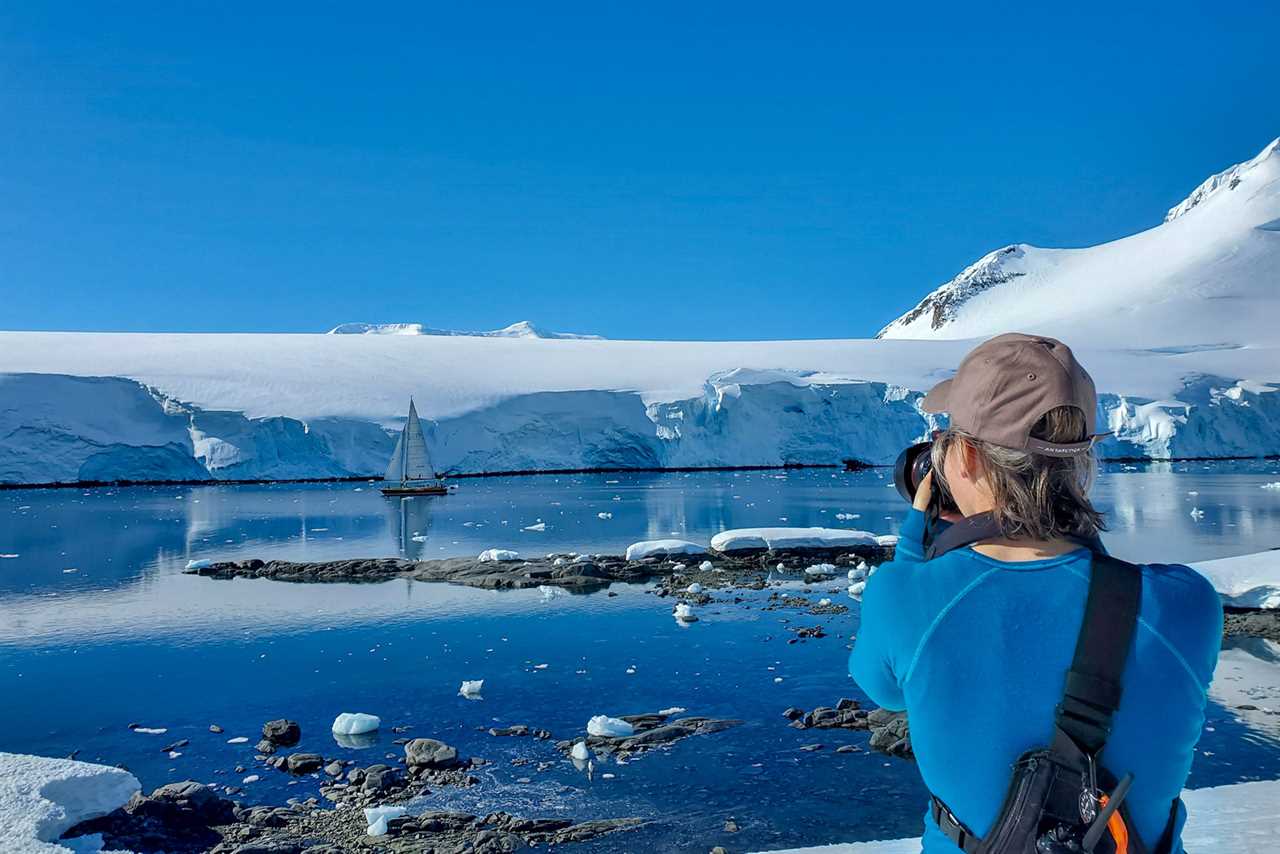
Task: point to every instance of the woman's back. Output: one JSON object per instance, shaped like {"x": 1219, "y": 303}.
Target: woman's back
{"x": 976, "y": 650}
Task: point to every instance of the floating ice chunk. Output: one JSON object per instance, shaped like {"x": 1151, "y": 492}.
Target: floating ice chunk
{"x": 781, "y": 567}
{"x": 684, "y": 613}
{"x": 541, "y": 666}
{"x": 548, "y": 592}
{"x": 1197, "y": 513}
{"x": 419, "y": 538}
{"x": 741, "y": 539}
{"x": 822, "y": 602}
{"x": 204, "y": 563}
{"x": 821, "y": 569}
{"x": 377, "y": 817}
{"x": 239, "y": 739}
{"x": 580, "y": 751}
{"x": 173, "y": 754}
{"x": 604, "y": 515}
{"x": 1273, "y": 485}
{"x": 674, "y": 710}
{"x": 855, "y": 590}
{"x": 679, "y": 567}
{"x": 706, "y": 566}
{"x": 695, "y": 587}
{"x": 537, "y": 527}
{"x": 663, "y": 548}
{"x": 857, "y": 574}
{"x": 150, "y": 730}
{"x": 604, "y": 725}
{"x": 471, "y": 687}
{"x": 489, "y": 555}
{"x": 607, "y": 776}
{"x": 355, "y": 723}
{"x": 252, "y": 778}
{"x": 631, "y": 670}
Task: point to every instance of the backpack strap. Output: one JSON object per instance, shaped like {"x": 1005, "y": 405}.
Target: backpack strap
{"x": 1091, "y": 693}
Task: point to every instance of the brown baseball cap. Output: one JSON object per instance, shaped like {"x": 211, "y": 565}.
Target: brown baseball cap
{"x": 1006, "y": 384}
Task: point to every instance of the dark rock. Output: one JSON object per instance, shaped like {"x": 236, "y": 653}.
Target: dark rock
{"x": 334, "y": 769}
{"x": 215, "y": 729}
{"x": 304, "y": 763}
{"x": 793, "y": 713}
{"x": 281, "y": 732}
{"x": 176, "y": 818}
{"x": 430, "y": 753}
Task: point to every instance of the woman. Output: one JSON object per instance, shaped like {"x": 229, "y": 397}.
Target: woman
{"x": 974, "y": 643}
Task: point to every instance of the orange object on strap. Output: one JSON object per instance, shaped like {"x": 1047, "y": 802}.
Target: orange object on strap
{"x": 1119, "y": 831}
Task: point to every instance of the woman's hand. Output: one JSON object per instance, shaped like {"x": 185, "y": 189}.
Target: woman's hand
{"x": 924, "y": 492}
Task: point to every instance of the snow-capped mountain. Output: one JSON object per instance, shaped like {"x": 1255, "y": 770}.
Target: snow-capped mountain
{"x": 521, "y": 329}
{"x": 1207, "y": 277}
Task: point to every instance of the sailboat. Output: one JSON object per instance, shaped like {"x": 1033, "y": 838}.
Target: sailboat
{"x": 410, "y": 471}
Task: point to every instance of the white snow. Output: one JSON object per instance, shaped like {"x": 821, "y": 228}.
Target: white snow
{"x": 491, "y": 555}
{"x": 1246, "y": 581}
{"x": 821, "y": 569}
{"x": 684, "y": 612}
{"x": 239, "y": 739}
{"x": 789, "y": 538}
{"x": 603, "y": 515}
{"x": 605, "y": 725}
{"x": 520, "y": 329}
{"x": 580, "y": 751}
{"x": 41, "y": 798}
{"x": 355, "y": 723}
{"x": 674, "y": 710}
{"x": 471, "y": 687}
{"x": 1235, "y": 819}
{"x": 377, "y": 818}
{"x": 663, "y": 548}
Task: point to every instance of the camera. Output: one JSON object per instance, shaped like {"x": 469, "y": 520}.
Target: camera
{"x": 911, "y": 467}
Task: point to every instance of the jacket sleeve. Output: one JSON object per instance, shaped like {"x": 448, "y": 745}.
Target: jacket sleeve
{"x": 881, "y": 625}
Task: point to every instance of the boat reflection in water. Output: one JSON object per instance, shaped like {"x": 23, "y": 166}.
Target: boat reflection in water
{"x": 411, "y": 524}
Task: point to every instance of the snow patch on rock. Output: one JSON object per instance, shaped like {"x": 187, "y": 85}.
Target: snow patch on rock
{"x": 41, "y": 798}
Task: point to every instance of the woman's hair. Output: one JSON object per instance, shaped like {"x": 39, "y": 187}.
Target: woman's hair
{"x": 1037, "y": 496}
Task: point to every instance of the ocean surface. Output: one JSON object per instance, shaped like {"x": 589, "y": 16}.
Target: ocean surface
{"x": 99, "y": 629}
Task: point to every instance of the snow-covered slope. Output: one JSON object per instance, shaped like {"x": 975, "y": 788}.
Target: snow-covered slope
{"x": 1207, "y": 277}
{"x": 41, "y": 798}
{"x": 520, "y": 329}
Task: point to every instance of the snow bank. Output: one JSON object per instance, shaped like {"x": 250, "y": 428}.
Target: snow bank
{"x": 1247, "y": 581}
{"x": 41, "y": 798}
{"x": 740, "y": 539}
{"x": 355, "y": 723}
{"x": 663, "y": 548}
{"x": 1236, "y": 819}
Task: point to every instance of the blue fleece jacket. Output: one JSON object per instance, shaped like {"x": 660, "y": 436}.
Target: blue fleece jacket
{"x": 975, "y": 651}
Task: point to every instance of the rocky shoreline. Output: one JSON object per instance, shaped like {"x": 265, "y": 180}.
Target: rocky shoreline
{"x": 573, "y": 572}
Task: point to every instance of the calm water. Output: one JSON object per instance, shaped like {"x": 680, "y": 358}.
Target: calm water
{"x": 99, "y": 628}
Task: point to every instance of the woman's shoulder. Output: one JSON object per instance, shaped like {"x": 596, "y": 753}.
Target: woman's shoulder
{"x": 1181, "y": 606}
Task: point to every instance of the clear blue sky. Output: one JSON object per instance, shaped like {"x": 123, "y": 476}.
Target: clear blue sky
{"x": 684, "y": 170}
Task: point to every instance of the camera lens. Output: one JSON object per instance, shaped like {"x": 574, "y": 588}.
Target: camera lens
{"x": 911, "y": 467}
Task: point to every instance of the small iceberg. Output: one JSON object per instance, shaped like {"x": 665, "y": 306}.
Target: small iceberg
{"x": 823, "y": 602}
{"x": 204, "y": 563}
{"x": 674, "y": 710}
{"x": 706, "y": 566}
{"x": 684, "y": 613}
{"x": 604, "y": 515}
{"x": 603, "y": 725}
{"x": 821, "y": 569}
{"x": 855, "y": 590}
{"x": 695, "y": 588}
{"x": 377, "y": 817}
{"x": 471, "y": 688}
{"x": 580, "y": 752}
{"x": 355, "y": 723}
{"x": 491, "y": 555}
{"x": 537, "y": 527}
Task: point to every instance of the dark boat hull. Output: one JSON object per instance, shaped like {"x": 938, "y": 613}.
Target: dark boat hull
{"x": 425, "y": 489}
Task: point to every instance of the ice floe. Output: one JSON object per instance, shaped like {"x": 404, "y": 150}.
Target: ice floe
{"x": 742, "y": 539}
{"x": 821, "y": 569}
{"x": 203, "y": 563}
{"x": 41, "y": 798}
{"x": 580, "y": 751}
{"x": 489, "y": 555}
{"x": 471, "y": 688}
{"x": 694, "y": 588}
{"x": 684, "y": 613}
{"x": 355, "y": 723}
{"x": 1246, "y": 581}
{"x": 607, "y": 726}
{"x": 663, "y": 548}
{"x": 377, "y": 818}
{"x": 537, "y": 527}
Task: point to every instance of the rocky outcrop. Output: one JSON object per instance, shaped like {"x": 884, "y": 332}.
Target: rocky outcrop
{"x": 650, "y": 731}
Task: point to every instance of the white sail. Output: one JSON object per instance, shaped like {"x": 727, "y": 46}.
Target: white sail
{"x": 395, "y": 468}
{"x": 417, "y": 462}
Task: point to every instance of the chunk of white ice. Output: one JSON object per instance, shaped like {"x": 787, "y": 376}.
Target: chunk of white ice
{"x": 471, "y": 687}
{"x": 663, "y": 548}
{"x": 377, "y": 818}
{"x": 580, "y": 751}
{"x": 489, "y": 555}
{"x": 355, "y": 723}
{"x": 607, "y": 726}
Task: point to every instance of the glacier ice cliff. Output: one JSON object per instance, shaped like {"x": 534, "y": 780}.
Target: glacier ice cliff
{"x": 64, "y": 429}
